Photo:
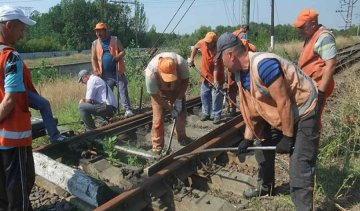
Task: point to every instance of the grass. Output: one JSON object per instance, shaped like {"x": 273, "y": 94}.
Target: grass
{"x": 75, "y": 58}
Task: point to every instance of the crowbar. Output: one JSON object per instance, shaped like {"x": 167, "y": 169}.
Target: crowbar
{"x": 212, "y": 84}
{"x": 224, "y": 149}
{"x": 171, "y": 137}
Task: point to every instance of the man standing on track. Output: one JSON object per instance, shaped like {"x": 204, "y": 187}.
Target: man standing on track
{"x": 278, "y": 102}
{"x": 318, "y": 56}
{"x": 211, "y": 98}
{"x": 167, "y": 79}
{"x": 17, "y": 174}
{"x": 107, "y": 58}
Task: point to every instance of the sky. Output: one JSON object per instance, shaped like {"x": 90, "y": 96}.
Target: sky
{"x": 222, "y": 12}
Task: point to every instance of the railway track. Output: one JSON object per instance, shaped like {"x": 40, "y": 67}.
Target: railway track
{"x": 214, "y": 181}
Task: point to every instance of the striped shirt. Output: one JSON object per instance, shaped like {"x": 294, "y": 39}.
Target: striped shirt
{"x": 269, "y": 71}
{"x": 325, "y": 47}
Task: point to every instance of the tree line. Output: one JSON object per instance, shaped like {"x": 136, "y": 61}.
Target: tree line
{"x": 69, "y": 25}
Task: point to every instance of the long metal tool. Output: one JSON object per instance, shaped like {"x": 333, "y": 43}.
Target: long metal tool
{"x": 223, "y": 150}
{"x": 171, "y": 137}
{"x": 220, "y": 90}
{"x": 118, "y": 92}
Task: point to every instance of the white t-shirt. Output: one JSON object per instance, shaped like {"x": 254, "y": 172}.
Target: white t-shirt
{"x": 96, "y": 90}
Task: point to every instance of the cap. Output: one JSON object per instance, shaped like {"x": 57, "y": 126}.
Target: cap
{"x": 100, "y": 25}
{"x": 82, "y": 73}
{"x": 305, "y": 16}
{"x": 225, "y": 41}
{"x": 210, "y": 37}
{"x": 8, "y": 13}
{"x": 167, "y": 69}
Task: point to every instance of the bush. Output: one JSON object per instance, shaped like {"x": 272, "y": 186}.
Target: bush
{"x": 38, "y": 45}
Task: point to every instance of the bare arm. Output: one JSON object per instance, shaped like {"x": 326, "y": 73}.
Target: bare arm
{"x": 194, "y": 51}
{"x": 248, "y": 134}
{"x": 120, "y": 53}
{"x": 328, "y": 73}
{"x": 7, "y": 105}
{"x": 279, "y": 93}
{"x": 94, "y": 61}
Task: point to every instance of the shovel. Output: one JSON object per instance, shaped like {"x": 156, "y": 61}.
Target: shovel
{"x": 171, "y": 137}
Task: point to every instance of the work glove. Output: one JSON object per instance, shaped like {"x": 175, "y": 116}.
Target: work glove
{"x": 190, "y": 62}
{"x": 244, "y": 144}
{"x": 178, "y": 105}
{"x": 285, "y": 145}
{"x": 174, "y": 114}
{"x": 320, "y": 102}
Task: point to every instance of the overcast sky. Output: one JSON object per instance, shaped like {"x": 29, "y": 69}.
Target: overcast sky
{"x": 223, "y": 12}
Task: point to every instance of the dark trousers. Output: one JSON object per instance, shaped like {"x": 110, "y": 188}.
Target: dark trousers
{"x": 17, "y": 177}
{"x": 302, "y": 161}
{"x": 87, "y": 110}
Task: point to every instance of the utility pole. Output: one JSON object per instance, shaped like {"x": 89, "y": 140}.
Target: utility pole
{"x": 245, "y": 15}
{"x": 272, "y": 41}
{"x": 347, "y": 6}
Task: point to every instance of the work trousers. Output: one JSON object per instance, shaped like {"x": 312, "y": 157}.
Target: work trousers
{"x": 17, "y": 177}
{"x": 232, "y": 90}
{"x": 157, "y": 130}
{"x": 87, "y": 110}
{"x": 41, "y": 104}
{"x": 122, "y": 89}
{"x": 302, "y": 161}
{"x": 211, "y": 100}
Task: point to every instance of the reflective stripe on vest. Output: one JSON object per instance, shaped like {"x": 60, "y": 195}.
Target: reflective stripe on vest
{"x": 15, "y": 135}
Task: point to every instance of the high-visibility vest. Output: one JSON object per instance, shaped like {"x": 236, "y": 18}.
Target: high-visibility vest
{"x": 311, "y": 63}
{"x": 258, "y": 106}
{"x": 114, "y": 50}
{"x": 15, "y": 129}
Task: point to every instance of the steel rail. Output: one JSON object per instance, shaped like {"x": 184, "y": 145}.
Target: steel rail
{"x": 119, "y": 127}
{"x": 167, "y": 165}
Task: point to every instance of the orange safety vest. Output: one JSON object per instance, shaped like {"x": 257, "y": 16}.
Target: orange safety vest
{"x": 208, "y": 64}
{"x": 311, "y": 63}
{"x": 257, "y": 105}
{"x": 15, "y": 129}
{"x": 114, "y": 50}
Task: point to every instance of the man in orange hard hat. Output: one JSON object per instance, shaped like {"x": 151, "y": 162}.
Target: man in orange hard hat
{"x": 318, "y": 56}
{"x": 167, "y": 79}
{"x": 107, "y": 58}
{"x": 211, "y": 97}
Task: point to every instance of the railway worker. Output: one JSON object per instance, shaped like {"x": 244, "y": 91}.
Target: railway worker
{"x": 211, "y": 98}
{"x": 167, "y": 79}
{"x": 99, "y": 100}
{"x": 318, "y": 56}
{"x": 107, "y": 58}
{"x": 17, "y": 174}
{"x": 278, "y": 102}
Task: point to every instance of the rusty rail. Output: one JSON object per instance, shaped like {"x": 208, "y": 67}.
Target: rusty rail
{"x": 220, "y": 136}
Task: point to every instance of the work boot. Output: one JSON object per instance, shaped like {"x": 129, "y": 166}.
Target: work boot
{"x": 232, "y": 112}
{"x": 204, "y": 117}
{"x": 256, "y": 192}
{"x": 217, "y": 120}
{"x": 59, "y": 138}
{"x": 185, "y": 141}
{"x": 156, "y": 152}
{"x": 129, "y": 113}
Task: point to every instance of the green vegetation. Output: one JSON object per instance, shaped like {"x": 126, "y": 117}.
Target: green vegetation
{"x": 109, "y": 149}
